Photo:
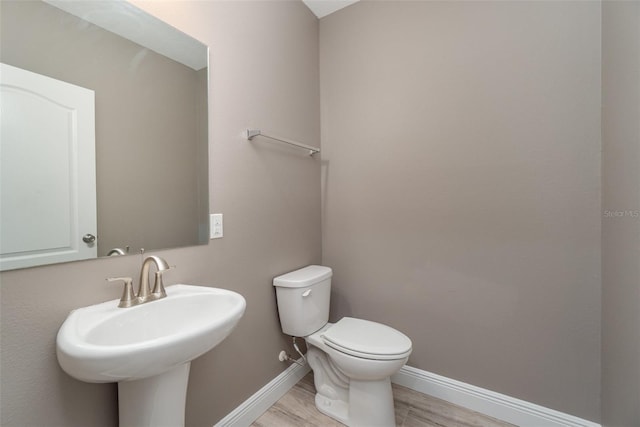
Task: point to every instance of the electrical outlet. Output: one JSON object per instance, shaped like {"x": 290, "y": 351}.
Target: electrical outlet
{"x": 215, "y": 226}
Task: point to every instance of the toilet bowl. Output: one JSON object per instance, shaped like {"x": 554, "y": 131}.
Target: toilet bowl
{"x": 352, "y": 359}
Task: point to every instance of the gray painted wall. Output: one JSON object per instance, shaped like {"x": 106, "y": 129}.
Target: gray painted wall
{"x": 621, "y": 210}
{"x": 461, "y": 186}
{"x": 264, "y": 73}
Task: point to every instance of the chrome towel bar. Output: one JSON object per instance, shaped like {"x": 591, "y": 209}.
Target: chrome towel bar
{"x": 251, "y": 133}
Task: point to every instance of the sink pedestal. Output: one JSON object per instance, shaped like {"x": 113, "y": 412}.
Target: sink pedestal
{"x": 155, "y": 401}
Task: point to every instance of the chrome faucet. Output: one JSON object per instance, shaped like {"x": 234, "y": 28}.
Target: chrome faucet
{"x": 145, "y": 294}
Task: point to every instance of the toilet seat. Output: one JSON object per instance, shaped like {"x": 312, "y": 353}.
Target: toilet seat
{"x": 367, "y": 340}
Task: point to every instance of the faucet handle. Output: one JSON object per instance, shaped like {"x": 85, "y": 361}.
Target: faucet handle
{"x": 158, "y": 286}
{"x": 127, "y": 299}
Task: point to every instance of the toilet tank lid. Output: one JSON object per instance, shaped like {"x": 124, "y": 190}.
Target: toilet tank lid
{"x": 303, "y": 277}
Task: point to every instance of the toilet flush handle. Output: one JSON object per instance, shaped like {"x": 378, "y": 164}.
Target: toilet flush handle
{"x": 306, "y": 293}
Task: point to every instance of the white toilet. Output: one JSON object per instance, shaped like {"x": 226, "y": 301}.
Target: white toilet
{"x": 352, "y": 360}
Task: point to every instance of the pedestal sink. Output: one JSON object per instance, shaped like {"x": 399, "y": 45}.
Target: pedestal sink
{"x": 148, "y": 349}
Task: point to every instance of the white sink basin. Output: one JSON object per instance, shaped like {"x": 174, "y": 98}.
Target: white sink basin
{"x": 104, "y": 343}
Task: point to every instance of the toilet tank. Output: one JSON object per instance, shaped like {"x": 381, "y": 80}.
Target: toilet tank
{"x": 303, "y": 299}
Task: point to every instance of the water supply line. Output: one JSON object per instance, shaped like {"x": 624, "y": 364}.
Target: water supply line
{"x": 295, "y": 345}
{"x": 284, "y": 357}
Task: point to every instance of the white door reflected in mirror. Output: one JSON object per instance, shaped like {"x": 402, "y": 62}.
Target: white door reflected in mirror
{"x": 47, "y": 170}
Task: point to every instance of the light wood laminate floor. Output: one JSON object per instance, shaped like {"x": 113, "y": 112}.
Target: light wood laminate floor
{"x": 297, "y": 408}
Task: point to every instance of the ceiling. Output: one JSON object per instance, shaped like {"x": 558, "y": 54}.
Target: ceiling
{"x": 323, "y": 8}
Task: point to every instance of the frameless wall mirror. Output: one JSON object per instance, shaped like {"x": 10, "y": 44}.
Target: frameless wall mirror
{"x": 103, "y": 133}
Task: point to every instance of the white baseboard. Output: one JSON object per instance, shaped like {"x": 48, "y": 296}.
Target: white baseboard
{"x": 496, "y": 405}
{"x": 251, "y": 409}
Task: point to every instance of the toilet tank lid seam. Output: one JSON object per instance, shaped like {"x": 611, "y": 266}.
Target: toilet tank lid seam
{"x": 303, "y": 277}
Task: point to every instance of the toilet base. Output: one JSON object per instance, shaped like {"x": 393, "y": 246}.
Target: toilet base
{"x": 336, "y": 409}
{"x": 356, "y": 403}
{"x": 370, "y": 405}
